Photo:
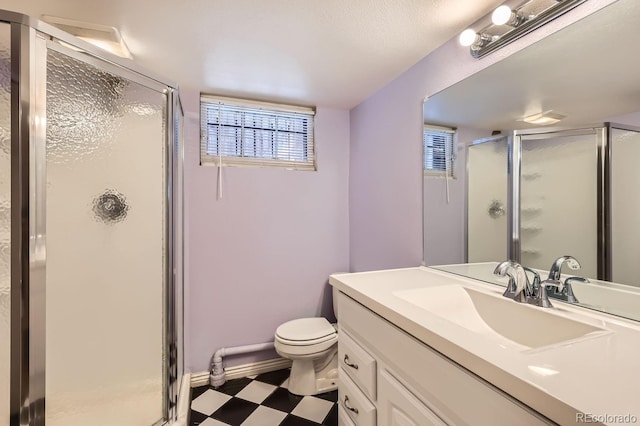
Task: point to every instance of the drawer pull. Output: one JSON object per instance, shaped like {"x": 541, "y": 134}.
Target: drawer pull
{"x": 346, "y": 361}
{"x": 346, "y": 405}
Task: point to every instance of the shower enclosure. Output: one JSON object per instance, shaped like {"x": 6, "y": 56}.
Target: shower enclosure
{"x": 537, "y": 195}
{"x": 487, "y": 199}
{"x": 90, "y": 241}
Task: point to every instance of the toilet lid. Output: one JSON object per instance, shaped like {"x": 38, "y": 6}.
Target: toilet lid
{"x": 305, "y": 329}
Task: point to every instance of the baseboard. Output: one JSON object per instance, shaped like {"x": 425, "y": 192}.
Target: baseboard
{"x": 199, "y": 379}
{"x": 256, "y": 368}
{"x": 238, "y": 371}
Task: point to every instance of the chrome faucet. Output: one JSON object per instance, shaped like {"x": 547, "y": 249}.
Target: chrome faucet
{"x": 518, "y": 288}
{"x": 555, "y": 287}
{"x": 556, "y": 269}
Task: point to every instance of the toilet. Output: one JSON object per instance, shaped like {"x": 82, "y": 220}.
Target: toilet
{"x": 312, "y": 346}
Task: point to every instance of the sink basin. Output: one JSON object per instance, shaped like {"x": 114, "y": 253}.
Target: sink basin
{"x": 511, "y": 324}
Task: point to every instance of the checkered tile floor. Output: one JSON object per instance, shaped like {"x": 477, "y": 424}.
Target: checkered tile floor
{"x": 261, "y": 400}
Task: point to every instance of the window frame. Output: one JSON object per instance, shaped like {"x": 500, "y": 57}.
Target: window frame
{"x": 247, "y": 106}
{"x": 450, "y": 152}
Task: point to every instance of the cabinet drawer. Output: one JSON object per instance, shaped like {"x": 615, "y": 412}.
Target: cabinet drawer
{"x": 355, "y": 404}
{"x": 343, "y": 417}
{"x": 357, "y": 363}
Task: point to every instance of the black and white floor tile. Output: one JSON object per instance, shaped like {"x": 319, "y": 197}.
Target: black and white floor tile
{"x": 261, "y": 400}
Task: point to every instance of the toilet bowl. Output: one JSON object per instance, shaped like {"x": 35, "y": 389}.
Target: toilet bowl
{"x": 312, "y": 346}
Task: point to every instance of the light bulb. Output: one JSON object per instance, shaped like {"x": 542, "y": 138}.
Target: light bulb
{"x": 502, "y": 15}
{"x": 467, "y": 37}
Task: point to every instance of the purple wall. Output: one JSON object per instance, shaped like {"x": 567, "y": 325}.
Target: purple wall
{"x": 263, "y": 254}
{"x": 385, "y": 184}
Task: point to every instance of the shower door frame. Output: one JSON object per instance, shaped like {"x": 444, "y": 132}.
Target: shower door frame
{"x": 30, "y": 40}
{"x": 514, "y": 168}
{"x": 607, "y": 208}
{"x": 490, "y": 139}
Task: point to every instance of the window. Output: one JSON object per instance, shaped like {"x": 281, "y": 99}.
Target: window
{"x": 242, "y": 132}
{"x": 439, "y": 151}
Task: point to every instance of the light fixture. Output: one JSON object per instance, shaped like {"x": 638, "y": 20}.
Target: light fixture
{"x": 102, "y": 36}
{"x": 510, "y": 24}
{"x": 503, "y": 15}
{"x": 467, "y": 37}
{"x": 474, "y": 40}
{"x": 544, "y": 118}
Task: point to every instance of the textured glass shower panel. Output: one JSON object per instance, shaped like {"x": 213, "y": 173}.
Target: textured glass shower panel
{"x": 5, "y": 218}
{"x": 558, "y": 206}
{"x": 625, "y": 206}
{"x": 487, "y": 201}
{"x": 105, "y": 247}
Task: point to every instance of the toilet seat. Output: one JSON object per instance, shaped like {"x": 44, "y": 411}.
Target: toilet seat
{"x": 305, "y": 336}
{"x": 306, "y": 331}
{"x": 332, "y": 337}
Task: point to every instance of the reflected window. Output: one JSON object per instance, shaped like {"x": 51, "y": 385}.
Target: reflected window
{"x": 439, "y": 151}
{"x": 241, "y": 132}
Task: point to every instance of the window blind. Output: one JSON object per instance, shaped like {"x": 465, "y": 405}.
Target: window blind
{"x": 439, "y": 151}
{"x": 251, "y": 133}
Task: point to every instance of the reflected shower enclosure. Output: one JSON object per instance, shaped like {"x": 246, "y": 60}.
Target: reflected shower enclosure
{"x": 90, "y": 213}
{"x": 536, "y": 195}
{"x": 487, "y": 199}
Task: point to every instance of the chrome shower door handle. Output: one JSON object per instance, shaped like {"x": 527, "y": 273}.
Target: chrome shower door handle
{"x": 352, "y": 365}
{"x": 346, "y": 405}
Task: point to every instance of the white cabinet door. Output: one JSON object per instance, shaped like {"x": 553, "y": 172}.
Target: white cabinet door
{"x": 399, "y": 407}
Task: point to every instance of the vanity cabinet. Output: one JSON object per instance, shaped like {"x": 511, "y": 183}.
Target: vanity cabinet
{"x": 399, "y": 407}
{"x": 391, "y": 378}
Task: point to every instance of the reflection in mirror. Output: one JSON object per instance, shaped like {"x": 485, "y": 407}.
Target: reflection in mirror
{"x": 558, "y": 199}
{"x": 625, "y": 212}
{"x": 560, "y": 181}
{"x": 487, "y": 199}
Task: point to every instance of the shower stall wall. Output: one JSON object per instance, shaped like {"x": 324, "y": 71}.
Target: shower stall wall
{"x": 90, "y": 234}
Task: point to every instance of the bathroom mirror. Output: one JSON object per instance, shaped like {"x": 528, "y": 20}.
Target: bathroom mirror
{"x": 587, "y": 72}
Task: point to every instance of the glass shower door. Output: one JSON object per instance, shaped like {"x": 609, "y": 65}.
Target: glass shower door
{"x": 5, "y": 220}
{"x": 558, "y": 198}
{"x": 487, "y": 200}
{"x": 106, "y": 211}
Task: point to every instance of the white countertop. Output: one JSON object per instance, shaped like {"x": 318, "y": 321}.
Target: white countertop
{"x": 598, "y": 376}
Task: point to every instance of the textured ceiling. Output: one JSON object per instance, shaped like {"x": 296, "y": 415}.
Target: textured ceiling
{"x": 331, "y": 53}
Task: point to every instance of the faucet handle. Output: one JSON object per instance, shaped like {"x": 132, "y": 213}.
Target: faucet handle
{"x": 567, "y": 292}
{"x": 579, "y": 279}
{"x": 533, "y": 286}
